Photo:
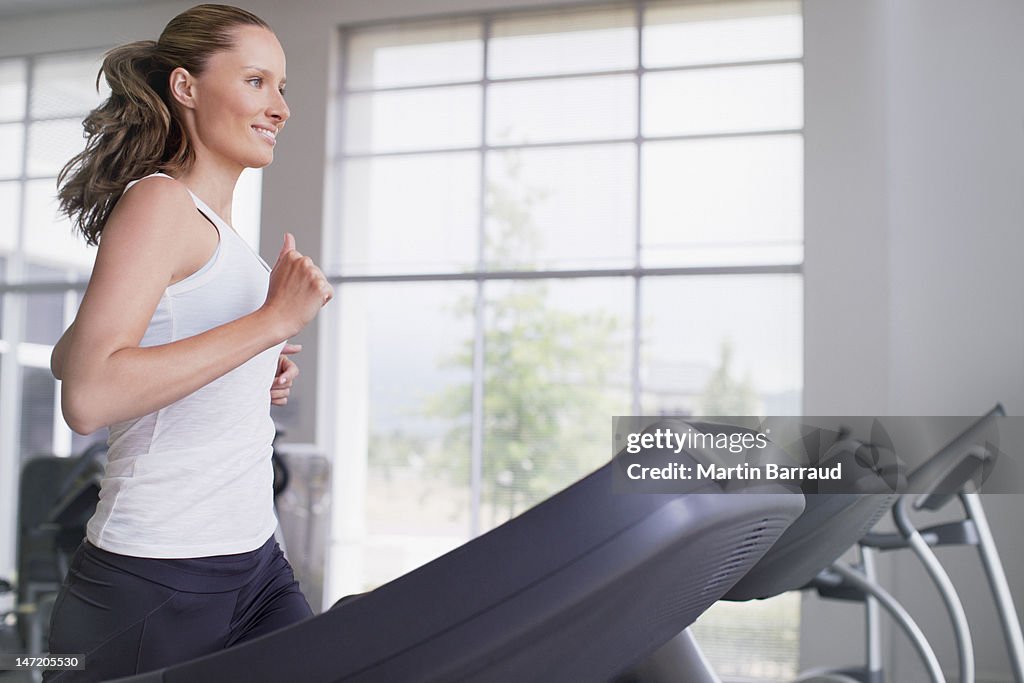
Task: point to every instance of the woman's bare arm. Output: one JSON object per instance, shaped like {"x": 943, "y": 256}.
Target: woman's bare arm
{"x": 60, "y": 350}
{"x": 107, "y": 376}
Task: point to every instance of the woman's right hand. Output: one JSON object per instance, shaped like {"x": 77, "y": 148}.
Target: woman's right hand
{"x": 298, "y": 289}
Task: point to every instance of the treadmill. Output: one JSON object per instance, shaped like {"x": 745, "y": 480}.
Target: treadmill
{"x": 581, "y": 587}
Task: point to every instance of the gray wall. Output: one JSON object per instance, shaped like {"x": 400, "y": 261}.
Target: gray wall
{"x": 914, "y": 155}
{"x": 914, "y": 216}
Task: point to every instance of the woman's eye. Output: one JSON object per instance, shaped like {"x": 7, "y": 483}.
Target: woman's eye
{"x": 258, "y": 81}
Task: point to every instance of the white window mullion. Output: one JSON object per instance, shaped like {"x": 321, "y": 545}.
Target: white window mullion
{"x": 476, "y": 453}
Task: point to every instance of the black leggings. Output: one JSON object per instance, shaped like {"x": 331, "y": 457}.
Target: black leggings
{"x": 129, "y": 615}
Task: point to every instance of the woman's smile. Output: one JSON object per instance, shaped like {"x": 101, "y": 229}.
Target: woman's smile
{"x": 267, "y": 133}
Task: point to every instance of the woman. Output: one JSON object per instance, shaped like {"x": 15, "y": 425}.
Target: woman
{"x": 177, "y": 347}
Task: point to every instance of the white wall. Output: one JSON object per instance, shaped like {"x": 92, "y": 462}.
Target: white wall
{"x": 914, "y": 216}
{"x": 914, "y": 154}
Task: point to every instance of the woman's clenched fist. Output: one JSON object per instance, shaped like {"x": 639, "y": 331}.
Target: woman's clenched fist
{"x": 298, "y": 289}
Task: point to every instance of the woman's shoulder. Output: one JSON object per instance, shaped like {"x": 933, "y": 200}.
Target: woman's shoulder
{"x": 157, "y": 187}
{"x": 153, "y": 201}
{"x": 151, "y": 217}
{"x": 154, "y": 175}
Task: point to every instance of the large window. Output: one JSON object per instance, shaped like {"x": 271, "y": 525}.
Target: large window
{"x": 545, "y": 219}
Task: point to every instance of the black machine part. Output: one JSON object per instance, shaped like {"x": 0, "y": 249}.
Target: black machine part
{"x": 608, "y": 577}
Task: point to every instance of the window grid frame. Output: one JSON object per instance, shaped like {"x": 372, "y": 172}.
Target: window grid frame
{"x": 339, "y": 157}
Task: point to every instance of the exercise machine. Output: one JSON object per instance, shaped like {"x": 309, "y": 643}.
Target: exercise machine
{"x": 807, "y": 557}
{"x": 578, "y": 588}
{"x": 830, "y": 524}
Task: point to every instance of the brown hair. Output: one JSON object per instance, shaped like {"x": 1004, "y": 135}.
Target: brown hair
{"x": 137, "y": 130}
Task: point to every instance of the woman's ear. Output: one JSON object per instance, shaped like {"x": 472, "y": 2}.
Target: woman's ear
{"x": 181, "y": 85}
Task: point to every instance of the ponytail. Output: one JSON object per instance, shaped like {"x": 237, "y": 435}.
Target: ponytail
{"x": 125, "y": 139}
{"x": 137, "y": 131}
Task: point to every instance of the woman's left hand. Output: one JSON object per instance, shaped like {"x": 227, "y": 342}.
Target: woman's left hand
{"x": 287, "y": 371}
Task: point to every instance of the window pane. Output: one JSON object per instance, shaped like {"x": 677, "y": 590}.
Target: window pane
{"x": 48, "y": 236}
{"x": 769, "y": 631}
{"x": 677, "y": 34}
{"x": 38, "y": 391}
{"x": 556, "y": 368}
{"x": 411, "y": 214}
{"x": 12, "y": 89}
{"x": 10, "y": 199}
{"x": 65, "y": 85}
{"x": 12, "y": 137}
{"x": 563, "y": 42}
{"x": 746, "y": 359}
{"x": 246, "y": 206}
{"x": 3, "y": 298}
{"x": 406, "y": 360}
{"x": 51, "y": 144}
{"x": 416, "y": 54}
{"x": 44, "y": 319}
{"x": 562, "y": 110}
{"x": 723, "y": 201}
{"x": 725, "y": 100}
{"x": 438, "y": 118}
{"x": 567, "y": 207}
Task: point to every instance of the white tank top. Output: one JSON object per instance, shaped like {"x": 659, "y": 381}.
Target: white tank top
{"x": 195, "y": 479}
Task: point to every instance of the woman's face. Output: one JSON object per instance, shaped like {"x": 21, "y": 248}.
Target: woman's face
{"x": 237, "y": 103}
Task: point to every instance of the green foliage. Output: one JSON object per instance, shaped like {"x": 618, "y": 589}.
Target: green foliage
{"x": 396, "y": 450}
{"x": 546, "y": 410}
{"x": 546, "y": 402}
{"x": 725, "y": 395}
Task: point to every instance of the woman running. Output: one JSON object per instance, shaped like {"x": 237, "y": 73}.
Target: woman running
{"x": 178, "y": 347}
